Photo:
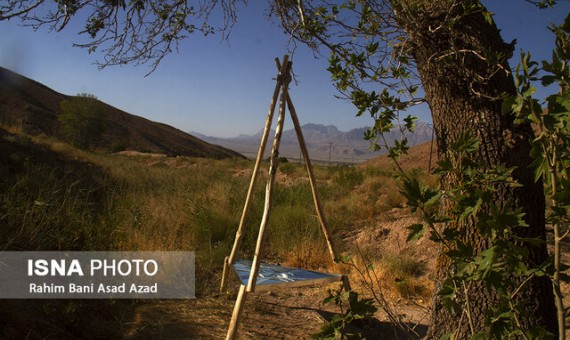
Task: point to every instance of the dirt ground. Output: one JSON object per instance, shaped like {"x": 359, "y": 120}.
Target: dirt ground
{"x": 282, "y": 313}
{"x": 278, "y": 314}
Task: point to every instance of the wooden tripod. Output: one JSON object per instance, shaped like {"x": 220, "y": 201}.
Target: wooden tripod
{"x": 282, "y": 84}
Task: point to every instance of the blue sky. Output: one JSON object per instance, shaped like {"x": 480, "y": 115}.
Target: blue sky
{"x": 223, "y": 88}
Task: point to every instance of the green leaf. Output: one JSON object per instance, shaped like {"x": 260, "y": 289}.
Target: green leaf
{"x": 412, "y": 191}
{"x": 540, "y": 167}
{"x": 372, "y": 47}
{"x": 548, "y": 80}
{"x": 509, "y": 218}
{"x": 329, "y": 299}
{"x": 485, "y": 261}
{"x": 531, "y": 241}
{"x": 462, "y": 252}
{"x": 344, "y": 258}
{"x": 507, "y": 105}
{"x": 362, "y": 308}
{"x": 435, "y": 237}
{"x": 562, "y": 197}
{"x": 488, "y": 17}
{"x": 450, "y": 234}
{"x": 444, "y": 166}
{"x": 417, "y": 231}
{"x": 409, "y": 122}
{"x": 449, "y": 297}
{"x": 467, "y": 142}
{"x": 539, "y": 333}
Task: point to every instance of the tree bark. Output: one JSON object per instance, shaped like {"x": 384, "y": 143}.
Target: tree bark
{"x": 462, "y": 61}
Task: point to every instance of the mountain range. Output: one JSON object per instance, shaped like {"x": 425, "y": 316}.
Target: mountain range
{"x": 324, "y": 142}
{"x": 32, "y": 108}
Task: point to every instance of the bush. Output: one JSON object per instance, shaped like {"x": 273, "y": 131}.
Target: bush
{"x": 348, "y": 177}
{"x": 82, "y": 120}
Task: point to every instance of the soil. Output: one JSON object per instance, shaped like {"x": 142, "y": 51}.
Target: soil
{"x": 282, "y": 313}
{"x": 293, "y": 313}
{"x": 289, "y": 313}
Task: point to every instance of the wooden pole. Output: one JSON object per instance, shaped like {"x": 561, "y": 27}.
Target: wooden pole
{"x": 234, "y": 323}
{"x": 312, "y": 180}
{"x": 272, "y": 172}
{"x": 283, "y": 81}
{"x": 230, "y": 260}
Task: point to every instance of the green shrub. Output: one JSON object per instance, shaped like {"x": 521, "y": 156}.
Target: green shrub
{"x": 348, "y": 177}
{"x": 287, "y": 168}
{"x": 81, "y": 120}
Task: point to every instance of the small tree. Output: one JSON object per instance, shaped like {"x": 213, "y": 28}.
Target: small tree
{"x": 81, "y": 120}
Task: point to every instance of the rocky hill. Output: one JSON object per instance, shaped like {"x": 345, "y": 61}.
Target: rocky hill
{"x": 32, "y": 108}
{"x": 323, "y": 141}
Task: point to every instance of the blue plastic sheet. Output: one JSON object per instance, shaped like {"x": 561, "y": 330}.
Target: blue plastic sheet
{"x": 270, "y": 274}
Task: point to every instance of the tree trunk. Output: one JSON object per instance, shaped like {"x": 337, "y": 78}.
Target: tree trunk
{"x": 462, "y": 61}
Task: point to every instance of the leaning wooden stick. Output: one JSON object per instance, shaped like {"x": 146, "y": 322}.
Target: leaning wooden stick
{"x": 309, "y": 168}
{"x": 229, "y": 261}
{"x": 285, "y": 102}
{"x": 269, "y": 188}
{"x": 312, "y": 180}
{"x": 232, "y": 330}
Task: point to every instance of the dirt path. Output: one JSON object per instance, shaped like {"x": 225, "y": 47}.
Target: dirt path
{"x": 282, "y": 313}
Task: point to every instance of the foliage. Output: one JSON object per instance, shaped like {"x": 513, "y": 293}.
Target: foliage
{"x": 142, "y": 31}
{"x": 373, "y": 48}
{"x": 471, "y": 213}
{"x": 352, "y": 308}
{"x": 347, "y": 177}
{"x": 551, "y": 147}
{"x": 366, "y": 46}
{"x": 82, "y": 120}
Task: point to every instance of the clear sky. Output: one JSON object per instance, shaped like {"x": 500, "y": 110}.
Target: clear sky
{"x": 223, "y": 88}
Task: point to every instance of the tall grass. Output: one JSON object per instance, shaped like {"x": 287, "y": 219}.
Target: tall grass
{"x": 55, "y": 197}
{"x": 49, "y": 202}
{"x": 70, "y": 199}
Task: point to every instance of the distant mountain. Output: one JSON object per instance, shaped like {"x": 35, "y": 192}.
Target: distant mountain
{"x": 322, "y": 141}
{"x": 32, "y": 108}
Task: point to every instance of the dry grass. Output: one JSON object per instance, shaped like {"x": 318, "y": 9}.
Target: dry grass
{"x": 395, "y": 276}
{"x": 57, "y": 197}
{"x": 405, "y": 275}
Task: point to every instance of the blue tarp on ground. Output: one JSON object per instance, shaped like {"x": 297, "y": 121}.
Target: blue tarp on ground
{"x": 273, "y": 274}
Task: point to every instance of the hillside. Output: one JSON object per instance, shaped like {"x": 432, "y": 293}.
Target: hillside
{"x": 32, "y": 108}
{"x": 418, "y": 157}
{"x": 323, "y": 141}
